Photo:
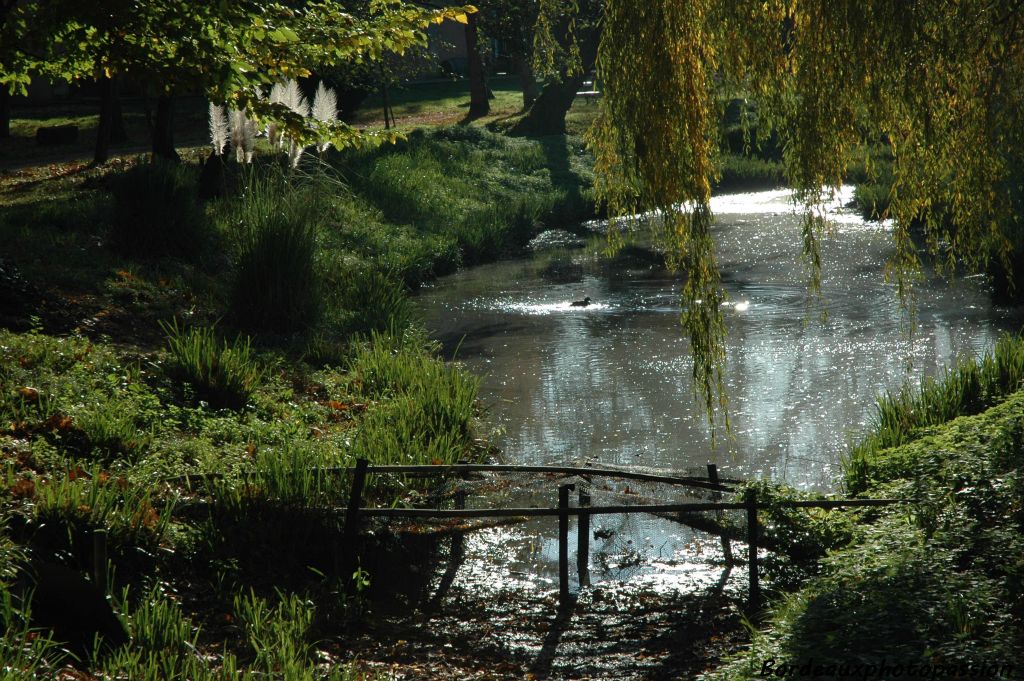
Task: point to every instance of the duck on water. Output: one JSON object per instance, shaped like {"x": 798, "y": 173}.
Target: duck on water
{"x": 581, "y": 303}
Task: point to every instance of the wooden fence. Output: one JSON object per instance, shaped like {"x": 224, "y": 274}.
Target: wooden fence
{"x": 584, "y": 510}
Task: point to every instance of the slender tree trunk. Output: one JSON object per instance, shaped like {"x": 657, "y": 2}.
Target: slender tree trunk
{"x": 5, "y": 95}
{"x": 163, "y": 130}
{"x": 102, "y": 150}
{"x": 111, "y": 125}
{"x": 527, "y": 81}
{"x": 479, "y": 105}
{"x": 5, "y": 112}
{"x": 389, "y": 116}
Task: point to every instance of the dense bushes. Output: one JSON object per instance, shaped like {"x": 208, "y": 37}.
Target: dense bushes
{"x": 938, "y": 584}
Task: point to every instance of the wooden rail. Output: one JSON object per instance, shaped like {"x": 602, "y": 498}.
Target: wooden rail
{"x": 584, "y": 511}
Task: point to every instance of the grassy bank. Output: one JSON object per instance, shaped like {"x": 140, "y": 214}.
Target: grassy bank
{"x": 934, "y": 589}
{"x": 254, "y": 339}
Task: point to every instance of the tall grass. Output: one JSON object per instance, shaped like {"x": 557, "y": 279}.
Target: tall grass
{"x": 970, "y": 387}
{"x": 277, "y": 286}
{"x": 488, "y": 192}
{"x": 277, "y": 639}
{"x": 24, "y": 652}
{"x": 430, "y": 406}
{"x": 739, "y": 172}
{"x": 222, "y": 373}
{"x": 289, "y": 477}
{"x": 157, "y": 212}
{"x": 110, "y": 430}
{"x": 278, "y": 635}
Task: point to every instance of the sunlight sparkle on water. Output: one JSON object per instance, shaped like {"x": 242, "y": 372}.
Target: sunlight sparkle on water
{"x": 539, "y": 308}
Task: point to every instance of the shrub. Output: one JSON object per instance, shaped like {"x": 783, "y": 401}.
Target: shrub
{"x": 277, "y": 286}
{"x": 222, "y": 373}
{"x": 157, "y": 212}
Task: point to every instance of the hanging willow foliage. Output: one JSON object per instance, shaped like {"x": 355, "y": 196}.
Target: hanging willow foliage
{"x": 938, "y": 82}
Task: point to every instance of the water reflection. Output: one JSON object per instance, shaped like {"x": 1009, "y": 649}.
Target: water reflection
{"x": 611, "y": 382}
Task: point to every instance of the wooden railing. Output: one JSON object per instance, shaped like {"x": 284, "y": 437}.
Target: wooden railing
{"x": 584, "y": 510}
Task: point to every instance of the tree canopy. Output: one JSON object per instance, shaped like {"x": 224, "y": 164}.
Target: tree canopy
{"x": 938, "y": 84}
{"x": 228, "y": 50}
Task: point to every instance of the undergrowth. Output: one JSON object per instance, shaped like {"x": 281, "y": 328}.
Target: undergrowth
{"x": 157, "y": 212}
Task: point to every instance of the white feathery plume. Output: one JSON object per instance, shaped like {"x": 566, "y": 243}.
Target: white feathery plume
{"x": 325, "y": 108}
{"x": 219, "y": 129}
{"x": 273, "y": 133}
{"x": 243, "y": 132}
{"x": 297, "y": 102}
{"x": 294, "y": 99}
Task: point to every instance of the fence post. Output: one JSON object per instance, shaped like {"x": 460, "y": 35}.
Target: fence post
{"x": 583, "y": 540}
{"x": 351, "y": 530}
{"x": 460, "y": 494}
{"x": 99, "y": 559}
{"x": 563, "y": 544}
{"x": 717, "y": 496}
{"x": 752, "y": 532}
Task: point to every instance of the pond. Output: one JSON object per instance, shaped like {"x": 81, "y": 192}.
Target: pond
{"x": 611, "y": 382}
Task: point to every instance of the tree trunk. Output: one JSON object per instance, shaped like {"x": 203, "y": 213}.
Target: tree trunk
{"x": 111, "y": 125}
{"x": 389, "y": 116}
{"x": 527, "y": 81}
{"x": 163, "y": 130}
{"x": 478, "y": 101}
{"x": 547, "y": 115}
{"x": 5, "y": 112}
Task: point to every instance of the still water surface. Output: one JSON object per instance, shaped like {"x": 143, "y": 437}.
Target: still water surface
{"x": 611, "y": 382}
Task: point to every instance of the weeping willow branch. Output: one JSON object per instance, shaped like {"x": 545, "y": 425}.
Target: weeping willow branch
{"x": 941, "y": 85}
